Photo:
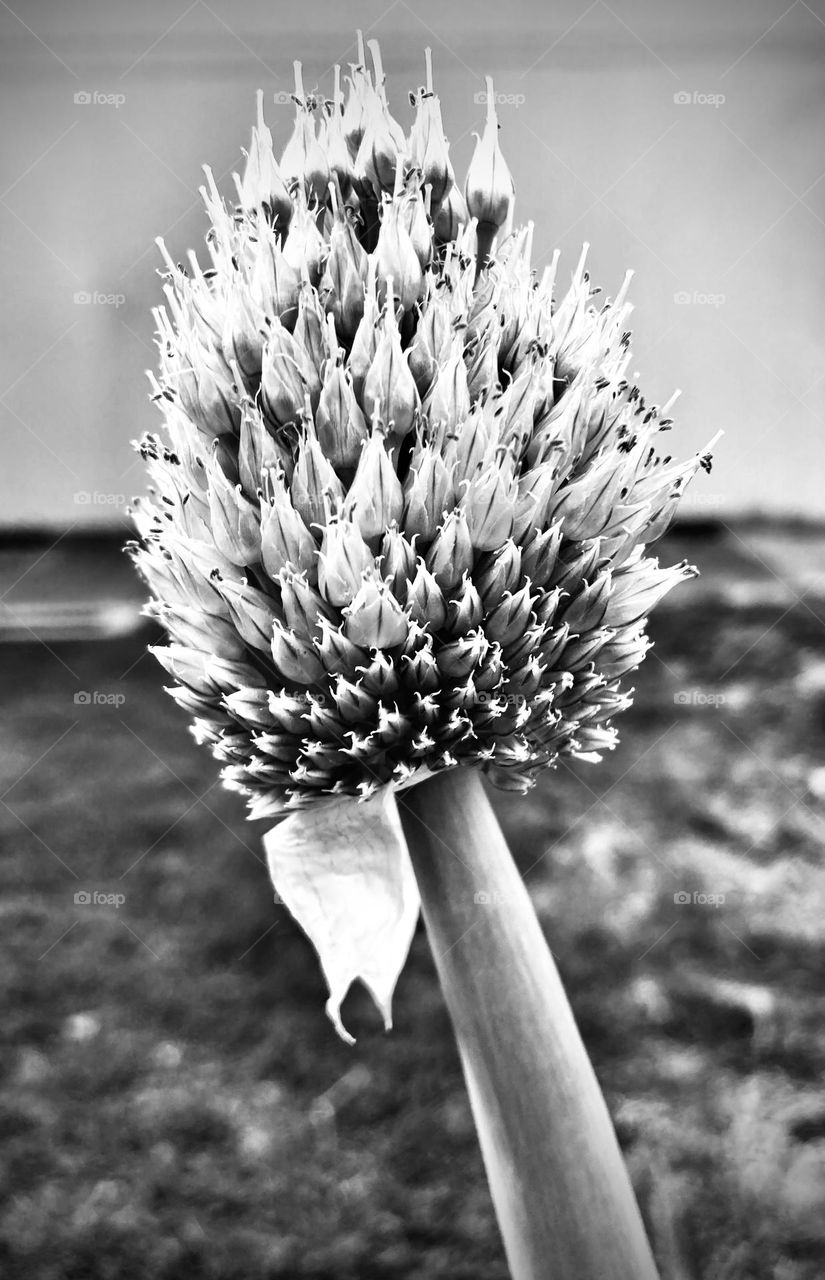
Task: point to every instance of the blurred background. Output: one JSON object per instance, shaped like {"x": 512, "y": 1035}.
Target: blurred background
{"x": 172, "y": 1099}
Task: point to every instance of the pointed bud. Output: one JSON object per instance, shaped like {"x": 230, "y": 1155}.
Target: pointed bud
{"x": 489, "y": 190}
{"x": 398, "y": 562}
{"x": 375, "y": 500}
{"x": 425, "y": 599}
{"x": 339, "y": 421}
{"x": 428, "y": 494}
{"x": 375, "y": 619}
{"x": 314, "y": 485}
{"x": 465, "y": 610}
{"x": 303, "y": 161}
{"x": 638, "y": 589}
{"x": 344, "y": 558}
{"x": 383, "y": 138}
{"x": 587, "y": 608}
{"x": 509, "y": 620}
{"x": 451, "y": 554}
{"x": 302, "y": 606}
{"x": 447, "y": 403}
{"x": 345, "y": 273}
{"x": 428, "y": 147}
{"x": 489, "y": 500}
{"x": 452, "y": 217}
{"x": 389, "y": 394}
{"x": 233, "y": 519}
{"x": 294, "y": 659}
{"x": 285, "y": 539}
{"x": 395, "y": 258}
{"x": 274, "y": 283}
{"x": 252, "y": 612}
{"x": 262, "y": 181}
{"x": 242, "y": 342}
{"x": 498, "y": 572}
{"x": 305, "y": 247}
{"x": 257, "y": 450}
{"x": 335, "y": 141}
{"x": 284, "y": 385}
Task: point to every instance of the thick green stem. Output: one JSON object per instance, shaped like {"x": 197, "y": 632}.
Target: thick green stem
{"x": 562, "y": 1195}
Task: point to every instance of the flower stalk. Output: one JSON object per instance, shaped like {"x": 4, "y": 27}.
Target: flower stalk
{"x": 562, "y": 1195}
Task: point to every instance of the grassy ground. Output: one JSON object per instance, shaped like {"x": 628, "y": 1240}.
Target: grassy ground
{"x": 174, "y": 1102}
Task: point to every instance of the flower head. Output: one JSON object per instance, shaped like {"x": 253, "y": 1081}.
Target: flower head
{"x": 400, "y": 520}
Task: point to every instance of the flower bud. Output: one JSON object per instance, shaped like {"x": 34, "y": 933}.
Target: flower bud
{"x": 375, "y": 619}
{"x": 451, "y": 554}
{"x": 233, "y": 519}
{"x": 638, "y": 589}
{"x": 274, "y": 283}
{"x": 425, "y": 599}
{"x": 383, "y": 138}
{"x": 489, "y": 500}
{"x": 286, "y": 542}
{"x": 414, "y": 219}
{"x": 335, "y": 141}
{"x": 428, "y": 147}
{"x": 497, "y": 572}
{"x": 587, "y": 608}
{"x": 354, "y": 107}
{"x": 447, "y": 403}
{"x": 452, "y": 217}
{"x": 365, "y": 341}
{"x": 252, "y": 612}
{"x": 389, "y": 395}
{"x": 538, "y": 558}
{"x": 286, "y": 378}
{"x": 489, "y": 190}
{"x": 396, "y": 259}
{"x": 339, "y": 421}
{"x": 375, "y": 500}
{"x": 342, "y": 284}
{"x": 433, "y": 333}
{"x": 303, "y": 161}
{"x": 343, "y": 560}
{"x": 295, "y": 660}
{"x": 314, "y": 482}
{"x": 257, "y": 451}
{"x": 305, "y": 247}
{"x": 398, "y": 561}
{"x": 204, "y": 386}
{"x": 428, "y": 493}
{"x": 262, "y": 181}
{"x": 510, "y": 618}
{"x": 465, "y": 610}
{"x": 338, "y": 653}
{"x": 302, "y": 606}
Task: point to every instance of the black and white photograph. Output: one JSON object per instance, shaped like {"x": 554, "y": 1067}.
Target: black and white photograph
{"x": 412, "y": 640}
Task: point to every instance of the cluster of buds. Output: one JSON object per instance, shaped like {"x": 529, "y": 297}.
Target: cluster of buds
{"x": 398, "y": 520}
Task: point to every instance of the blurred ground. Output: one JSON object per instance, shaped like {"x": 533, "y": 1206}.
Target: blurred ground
{"x": 174, "y": 1102}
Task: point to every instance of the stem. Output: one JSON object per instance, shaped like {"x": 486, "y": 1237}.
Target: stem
{"x": 562, "y": 1195}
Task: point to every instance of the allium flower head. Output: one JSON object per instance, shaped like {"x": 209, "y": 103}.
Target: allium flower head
{"x": 400, "y": 512}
